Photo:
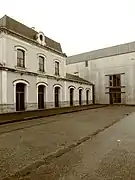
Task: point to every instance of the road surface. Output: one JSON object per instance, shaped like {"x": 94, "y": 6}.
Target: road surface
{"x": 93, "y": 144}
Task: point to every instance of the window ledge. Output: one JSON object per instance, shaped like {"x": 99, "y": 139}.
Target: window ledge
{"x": 41, "y": 72}
{"x": 21, "y": 68}
{"x": 56, "y": 75}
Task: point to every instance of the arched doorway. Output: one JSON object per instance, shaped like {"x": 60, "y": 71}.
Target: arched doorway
{"x": 80, "y": 97}
{"x": 71, "y": 96}
{"x": 20, "y": 97}
{"x": 41, "y": 89}
{"x": 87, "y": 97}
{"x": 57, "y": 96}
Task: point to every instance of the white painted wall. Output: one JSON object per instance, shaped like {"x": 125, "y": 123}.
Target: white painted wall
{"x": 8, "y": 57}
{"x": 76, "y": 91}
{"x": 32, "y": 56}
{"x": 49, "y": 89}
{"x": 0, "y": 88}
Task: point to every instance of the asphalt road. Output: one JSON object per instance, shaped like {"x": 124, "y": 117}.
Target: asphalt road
{"x": 110, "y": 155}
{"x": 93, "y": 144}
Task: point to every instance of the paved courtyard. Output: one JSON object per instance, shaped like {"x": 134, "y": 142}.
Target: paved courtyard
{"x": 32, "y": 149}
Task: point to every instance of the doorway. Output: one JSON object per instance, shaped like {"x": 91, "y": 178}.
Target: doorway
{"x": 115, "y": 95}
{"x": 71, "y": 96}
{"x": 20, "y": 97}
{"x": 41, "y": 97}
{"x": 87, "y": 97}
{"x": 80, "y": 97}
{"x": 57, "y": 94}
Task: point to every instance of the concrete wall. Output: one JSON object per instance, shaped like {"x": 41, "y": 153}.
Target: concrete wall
{"x": 97, "y": 70}
{"x": 80, "y": 68}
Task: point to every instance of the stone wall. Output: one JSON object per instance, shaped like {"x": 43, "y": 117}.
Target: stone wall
{"x": 7, "y": 108}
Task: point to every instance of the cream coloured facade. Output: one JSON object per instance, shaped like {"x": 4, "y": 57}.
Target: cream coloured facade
{"x": 33, "y": 71}
{"x": 103, "y": 64}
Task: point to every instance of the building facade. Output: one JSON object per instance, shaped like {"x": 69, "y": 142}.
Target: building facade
{"x": 112, "y": 70}
{"x": 33, "y": 71}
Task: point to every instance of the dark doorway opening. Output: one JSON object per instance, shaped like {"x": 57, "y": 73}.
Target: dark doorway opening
{"x": 87, "y": 97}
{"x": 41, "y": 97}
{"x": 20, "y": 95}
{"x": 57, "y": 94}
{"x": 115, "y": 95}
{"x": 71, "y": 96}
{"x": 80, "y": 97}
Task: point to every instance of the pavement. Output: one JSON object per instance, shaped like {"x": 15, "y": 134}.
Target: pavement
{"x": 93, "y": 144}
{"x": 6, "y": 118}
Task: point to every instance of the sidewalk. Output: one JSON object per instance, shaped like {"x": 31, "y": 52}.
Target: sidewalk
{"x": 29, "y": 115}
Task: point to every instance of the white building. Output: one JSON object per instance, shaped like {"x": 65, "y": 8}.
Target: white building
{"x": 33, "y": 71}
{"x": 112, "y": 70}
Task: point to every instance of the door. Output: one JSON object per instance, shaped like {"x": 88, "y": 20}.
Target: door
{"x": 71, "y": 96}
{"x": 80, "y": 97}
{"x": 41, "y": 97}
{"x": 115, "y": 95}
{"x": 87, "y": 97}
{"x": 20, "y": 95}
{"x": 57, "y": 91}
{"x": 93, "y": 94}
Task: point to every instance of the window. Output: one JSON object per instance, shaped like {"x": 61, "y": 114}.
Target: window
{"x": 86, "y": 63}
{"x": 114, "y": 80}
{"x": 20, "y": 58}
{"x": 56, "y": 68}
{"x": 41, "y": 37}
{"x": 41, "y": 63}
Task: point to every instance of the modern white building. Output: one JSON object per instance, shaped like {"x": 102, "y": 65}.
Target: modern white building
{"x": 33, "y": 71}
{"x": 111, "y": 69}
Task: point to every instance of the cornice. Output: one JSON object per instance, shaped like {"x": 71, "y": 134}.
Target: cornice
{"x": 19, "y": 71}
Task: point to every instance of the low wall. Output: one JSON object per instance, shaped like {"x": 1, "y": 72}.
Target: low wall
{"x": 29, "y": 115}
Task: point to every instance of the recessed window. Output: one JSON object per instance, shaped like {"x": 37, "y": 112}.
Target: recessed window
{"x": 41, "y": 37}
{"x": 115, "y": 80}
{"x": 56, "y": 68}
{"x": 20, "y": 58}
{"x": 86, "y": 63}
{"x": 41, "y": 63}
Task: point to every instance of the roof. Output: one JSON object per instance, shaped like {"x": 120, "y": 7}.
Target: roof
{"x": 101, "y": 53}
{"x": 77, "y": 79}
{"x": 28, "y": 32}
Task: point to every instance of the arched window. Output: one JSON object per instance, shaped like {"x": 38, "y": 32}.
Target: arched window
{"x": 20, "y": 58}
{"x": 57, "y": 68}
{"x": 41, "y": 63}
{"x": 41, "y": 38}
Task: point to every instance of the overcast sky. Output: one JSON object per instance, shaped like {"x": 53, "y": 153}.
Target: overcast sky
{"x": 79, "y": 25}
